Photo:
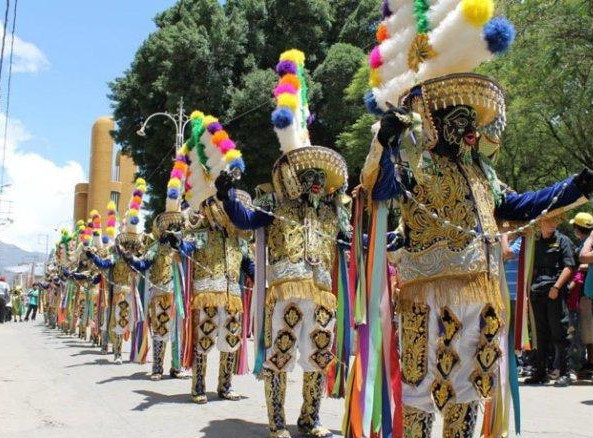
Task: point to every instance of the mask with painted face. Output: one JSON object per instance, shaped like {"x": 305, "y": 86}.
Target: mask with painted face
{"x": 313, "y": 185}
{"x": 457, "y": 132}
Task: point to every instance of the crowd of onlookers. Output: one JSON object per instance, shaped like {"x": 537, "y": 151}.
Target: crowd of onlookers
{"x": 561, "y": 294}
{"x": 14, "y": 301}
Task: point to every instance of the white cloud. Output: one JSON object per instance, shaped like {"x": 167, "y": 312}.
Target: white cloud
{"x": 41, "y": 192}
{"x": 27, "y": 57}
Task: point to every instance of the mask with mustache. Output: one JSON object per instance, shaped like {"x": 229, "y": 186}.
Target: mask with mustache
{"x": 313, "y": 185}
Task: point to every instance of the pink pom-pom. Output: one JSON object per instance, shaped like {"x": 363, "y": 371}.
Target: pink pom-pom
{"x": 226, "y": 145}
{"x": 134, "y": 206}
{"x": 111, "y": 222}
{"x": 375, "y": 58}
{"x": 177, "y": 173}
{"x": 284, "y": 88}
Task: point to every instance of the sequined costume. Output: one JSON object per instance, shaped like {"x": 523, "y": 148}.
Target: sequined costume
{"x": 217, "y": 254}
{"x": 302, "y": 219}
{"x": 432, "y": 154}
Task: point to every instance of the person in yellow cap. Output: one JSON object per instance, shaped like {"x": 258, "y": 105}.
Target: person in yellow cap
{"x": 579, "y": 304}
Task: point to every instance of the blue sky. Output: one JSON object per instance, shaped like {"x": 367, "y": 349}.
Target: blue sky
{"x": 66, "y": 51}
{"x": 86, "y": 44}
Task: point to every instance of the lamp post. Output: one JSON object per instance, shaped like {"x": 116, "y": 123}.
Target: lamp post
{"x": 180, "y": 119}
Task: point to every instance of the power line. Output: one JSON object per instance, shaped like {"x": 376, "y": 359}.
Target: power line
{"x": 4, "y": 36}
{"x": 8, "y": 91}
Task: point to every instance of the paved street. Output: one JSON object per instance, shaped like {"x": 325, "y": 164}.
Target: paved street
{"x": 53, "y": 385}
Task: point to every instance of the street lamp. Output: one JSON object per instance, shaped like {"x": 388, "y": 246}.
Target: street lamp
{"x": 180, "y": 120}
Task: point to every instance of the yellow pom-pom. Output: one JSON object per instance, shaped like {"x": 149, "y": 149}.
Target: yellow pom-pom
{"x": 93, "y": 213}
{"x": 188, "y": 196}
{"x": 132, "y": 212}
{"x": 375, "y": 78}
{"x": 288, "y": 100}
{"x": 174, "y": 183}
{"x": 182, "y": 150}
{"x": 477, "y": 12}
{"x": 209, "y": 119}
{"x": 140, "y": 182}
{"x": 111, "y": 205}
{"x": 232, "y": 155}
{"x": 197, "y": 115}
{"x": 110, "y": 232}
{"x": 293, "y": 55}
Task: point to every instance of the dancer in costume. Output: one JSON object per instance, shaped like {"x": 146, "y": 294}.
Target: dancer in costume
{"x": 218, "y": 252}
{"x": 432, "y": 154}
{"x": 302, "y": 220}
{"x": 17, "y": 304}
{"x": 118, "y": 271}
{"x": 160, "y": 260}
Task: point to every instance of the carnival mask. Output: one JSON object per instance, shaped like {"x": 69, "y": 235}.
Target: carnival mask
{"x": 313, "y": 185}
{"x": 457, "y": 131}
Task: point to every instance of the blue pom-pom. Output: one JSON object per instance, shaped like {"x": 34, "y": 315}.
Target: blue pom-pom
{"x": 371, "y": 104}
{"x": 134, "y": 220}
{"x": 173, "y": 193}
{"x": 238, "y": 164}
{"x": 105, "y": 240}
{"x": 499, "y": 34}
{"x": 282, "y": 118}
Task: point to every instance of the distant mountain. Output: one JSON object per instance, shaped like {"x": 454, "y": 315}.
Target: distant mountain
{"x": 11, "y": 255}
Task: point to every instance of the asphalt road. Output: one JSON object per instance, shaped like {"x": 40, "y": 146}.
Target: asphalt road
{"x": 56, "y": 386}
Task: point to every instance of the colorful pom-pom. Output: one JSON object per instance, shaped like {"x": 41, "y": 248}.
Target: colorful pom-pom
{"x": 371, "y": 104}
{"x": 288, "y": 100}
{"x": 385, "y": 10}
{"x": 282, "y": 118}
{"x": 226, "y": 145}
{"x": 238, "y": 164}
{"x": 111, "y": 206}
{"x": 138, "y": 192}
{"x": 133, "y": 212}
{"x": 134, "y": 220}
{"x": 208, "y": 120}
{"x": 375, "y": 58}
{"x": 219, "y": 136}
{"x": 477, "y": 12}
{"x": 292, "y": 80}
{"x": 293, "y": 55}
{"x": 499, "y": 34}
{"x": 174, "y": 183}
{"x": 140, "y": 182}
{"x": 105, "y": 240}
{"x": 381, "y": 33}
{"x": 214, "y": 127}
{"x": 173, "y": 193}
{"x": 284, "y": 88}
{"x": 286, "y": 67}
{"x": 232, "y": 155}
{"x": 374, "y": 78}
{"x": 177, "y": 173}
{"x": 196, "y": 115}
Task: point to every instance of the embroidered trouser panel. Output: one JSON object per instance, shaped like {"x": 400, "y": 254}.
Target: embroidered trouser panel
{"x": 214, "y": 325}
{"x": 118, "y": 340}
{"x": 460, "y": 420}
{"x": 312, "y": 393}
{"x": 449, "y": 354}
{"x": 198, "y": 384}
{"x": 225, "y": 372}
{"x": 417, "y": 423}
{"x": 161, "y": 312}
{"x": 300, "y": 324}
{"x": 158, "y": 356}
{"x": 121, "y": 310}
{"x": 275, "y": 389}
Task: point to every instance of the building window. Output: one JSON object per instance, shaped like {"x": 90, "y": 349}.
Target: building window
{"x": 115, "y": 198}
{"x": 116, "y": 167}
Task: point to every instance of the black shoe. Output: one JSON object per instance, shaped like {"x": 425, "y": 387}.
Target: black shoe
{"x": 562, "y": 381}
{"x": 536, "y": 380}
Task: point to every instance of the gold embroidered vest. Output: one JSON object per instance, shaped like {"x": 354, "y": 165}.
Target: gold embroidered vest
{"x": 161, "y": 271}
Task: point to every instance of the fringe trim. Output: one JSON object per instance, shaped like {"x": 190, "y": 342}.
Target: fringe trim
{"x": 301, "y": 289}
{"x": 453, "y": 291}
{"x": 232, "y": 303}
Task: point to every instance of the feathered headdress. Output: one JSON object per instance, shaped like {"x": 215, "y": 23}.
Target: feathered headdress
{"x": 132, "y": 215}
{"x": 97, "y": 231}
{"x": 291, "y": 119}
{"x": 420, "y": 40}
{"x": 176, "y": 184}
{"x": 291, "y": 116}
{"x": 210, "y": 150}
{"x": 111, "y": 225}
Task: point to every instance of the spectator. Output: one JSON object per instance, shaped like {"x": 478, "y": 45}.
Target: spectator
{"x": 18, "y": 304}
{"x": 586, "y": 307}
{"x": 4, "y": 298}
{"x": 553, "y": 267}
{"x": 33, "y": 302}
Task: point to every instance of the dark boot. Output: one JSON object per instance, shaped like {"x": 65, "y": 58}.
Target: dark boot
{"x": 198, "y": 384}
{"x": 275, "y": 388}
{"x": 417, "y": 423}
{"x": 460, "y": 420}
{"x": 225, "y": 376}
{"x": 308, "y": 421}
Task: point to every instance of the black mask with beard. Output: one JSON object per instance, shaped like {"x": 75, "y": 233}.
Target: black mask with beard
{"x": 313, "y": 185}
{"x": 457, "y": 131}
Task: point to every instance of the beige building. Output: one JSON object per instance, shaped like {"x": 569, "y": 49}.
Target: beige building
{"x": 110, "y": 177}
